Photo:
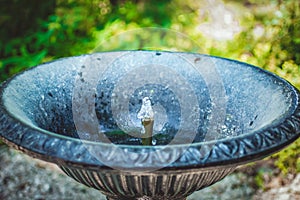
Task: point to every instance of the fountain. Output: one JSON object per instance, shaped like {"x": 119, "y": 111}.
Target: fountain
{"x": 148, "y": 124}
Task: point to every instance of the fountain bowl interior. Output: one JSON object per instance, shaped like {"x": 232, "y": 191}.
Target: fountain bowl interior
{"x": 211, "y": 114}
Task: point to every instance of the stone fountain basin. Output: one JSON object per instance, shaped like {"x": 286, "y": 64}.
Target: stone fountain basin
{"x": 243, "y": 113}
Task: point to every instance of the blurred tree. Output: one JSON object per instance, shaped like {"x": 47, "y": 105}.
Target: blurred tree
{"x": 18, "y": 17}
{"x": 145, "y": 13}
{"x": 289, "y": 28}
{"x": 20, "y": 21}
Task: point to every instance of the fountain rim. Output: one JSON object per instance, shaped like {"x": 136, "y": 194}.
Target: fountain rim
{"x": 286, "y": 124}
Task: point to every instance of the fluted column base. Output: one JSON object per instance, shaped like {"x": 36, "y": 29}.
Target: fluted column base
{"x": 144, "y": 198}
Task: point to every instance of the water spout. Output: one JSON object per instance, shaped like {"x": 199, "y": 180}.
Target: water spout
{"x": 146, "y": 115}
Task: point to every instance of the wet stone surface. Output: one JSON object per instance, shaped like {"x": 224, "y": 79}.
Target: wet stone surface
{"x": 230, "y": 108}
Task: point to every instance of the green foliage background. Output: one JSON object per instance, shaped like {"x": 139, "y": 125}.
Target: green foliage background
{"x": 34, "y": 31}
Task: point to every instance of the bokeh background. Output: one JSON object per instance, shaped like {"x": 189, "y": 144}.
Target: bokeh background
{"x": 265, "y": 33}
